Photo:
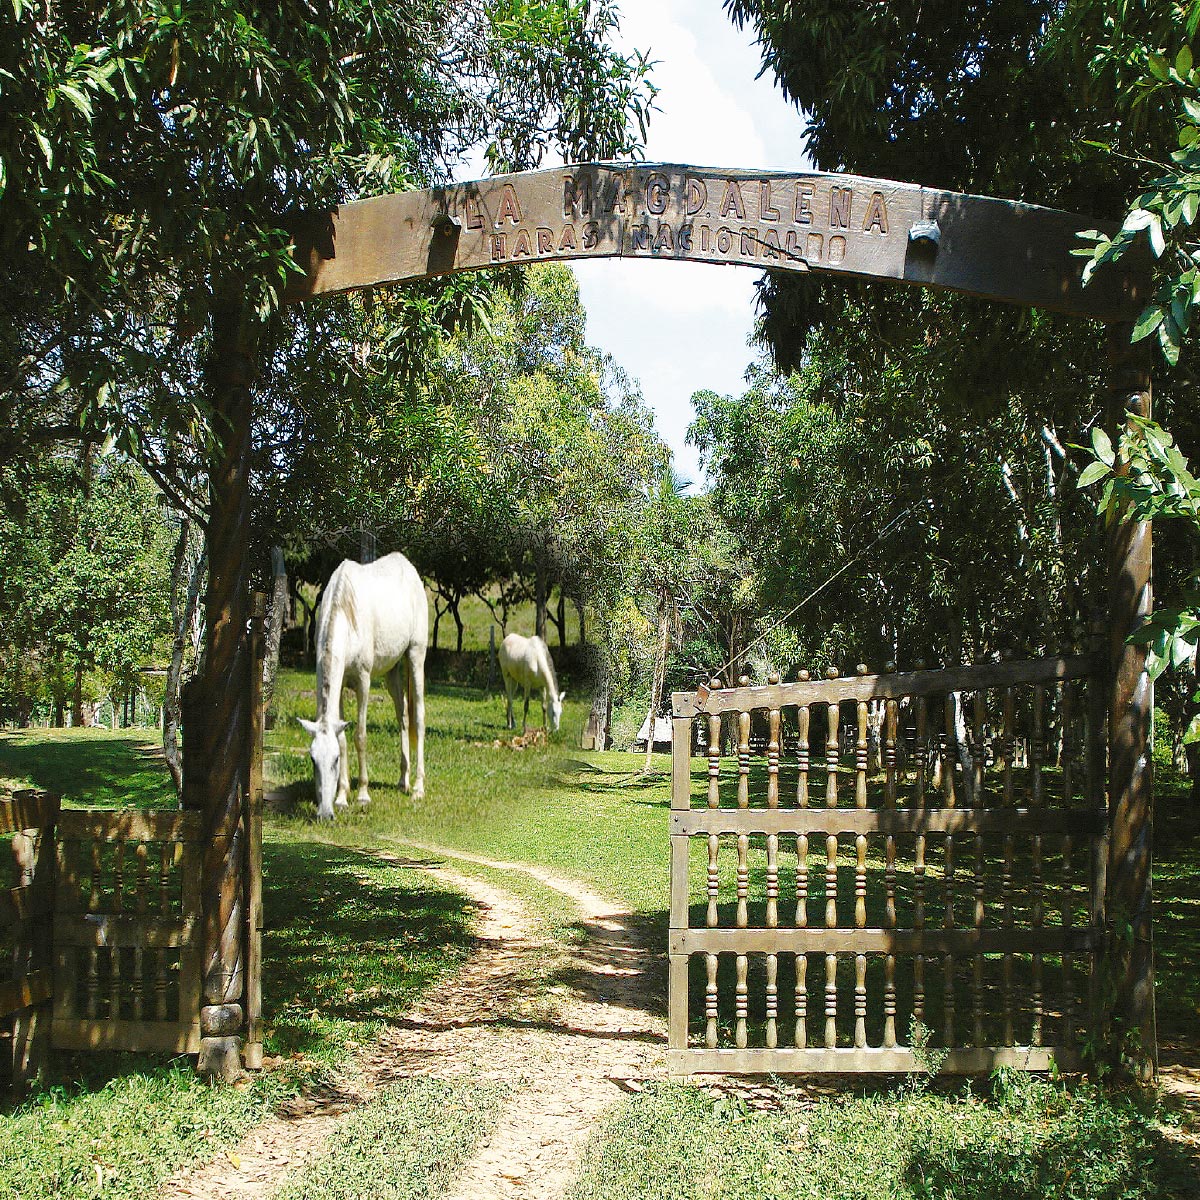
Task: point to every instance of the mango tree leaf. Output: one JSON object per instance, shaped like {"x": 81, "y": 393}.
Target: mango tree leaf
{"x": 1102, "y": 446}
{"x": 1147, "y": 323}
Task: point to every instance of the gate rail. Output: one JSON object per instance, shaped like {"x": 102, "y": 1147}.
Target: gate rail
{"x": 948, "y": 897}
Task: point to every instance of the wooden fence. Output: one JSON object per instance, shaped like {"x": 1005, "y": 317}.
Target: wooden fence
{"x": 919, "y": 885}
{"x": 27, "y": 821}
{"x": 101, "y": 926}
{"x": 127, "y": 931}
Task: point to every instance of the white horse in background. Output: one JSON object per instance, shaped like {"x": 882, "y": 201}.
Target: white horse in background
{"x": 373, "y": 621}
{"x": 525, "y": 663}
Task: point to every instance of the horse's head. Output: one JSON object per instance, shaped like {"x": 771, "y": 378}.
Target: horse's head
{"x": 556, "y": 706}
{"x": 325, "y": 753}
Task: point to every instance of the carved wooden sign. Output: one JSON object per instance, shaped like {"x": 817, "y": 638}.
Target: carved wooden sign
{"x": 834, "y": 224}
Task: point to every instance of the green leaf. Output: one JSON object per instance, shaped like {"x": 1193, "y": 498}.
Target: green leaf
{"x": 77, "y": 98}
{"x": 1091, "y": 473}
{"x": 1183, "y": 61}
{"x": 1139, "y": 218}
{"x": 47, "y": 150}
{"x": 1158, "y": 243}
{"x": 1102, "y": 446}
{"x": 1168, "y": 340}
{"x": 1147, "y": 323}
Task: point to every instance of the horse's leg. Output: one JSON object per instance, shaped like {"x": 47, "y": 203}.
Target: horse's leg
{"x": 397, "y": 687}
{"x": 545, "y": 721}
{"x": 525, "y": 714}
{"x": 342, "y": 799}
{"x": 363, "y": 688}
{"x": 416, "y": 705}
{"x": 509, "y": 720}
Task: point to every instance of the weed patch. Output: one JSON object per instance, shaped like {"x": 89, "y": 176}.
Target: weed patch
{"x": 1025, "y": 1140}
{"x": 392, "y": 1149}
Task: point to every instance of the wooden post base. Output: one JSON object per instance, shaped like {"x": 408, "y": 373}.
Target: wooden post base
{"x": 220, "y": 1059}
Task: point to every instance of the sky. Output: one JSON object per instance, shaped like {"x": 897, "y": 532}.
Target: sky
{"x": 681, "y": 327}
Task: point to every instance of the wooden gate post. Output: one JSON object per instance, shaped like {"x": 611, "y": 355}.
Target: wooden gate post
{"x": 225, "y": 694}
{"x": 1131, "y": 702}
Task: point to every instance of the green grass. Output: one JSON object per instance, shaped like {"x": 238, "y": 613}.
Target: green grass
{"x": 589, "y": 817}
{"x": 1026, "y": 1140}
{"x": 95, "y": 768}
{"x": 116, "y": 1137}
{"x": 350, "y": 942}
{"x": 391, "y": 1149}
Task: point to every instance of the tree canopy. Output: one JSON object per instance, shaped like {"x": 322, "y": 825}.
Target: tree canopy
{"x": 154, "y": 156}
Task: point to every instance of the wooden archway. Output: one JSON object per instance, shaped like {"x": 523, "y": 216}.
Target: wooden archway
{"x": 833, "y": 224}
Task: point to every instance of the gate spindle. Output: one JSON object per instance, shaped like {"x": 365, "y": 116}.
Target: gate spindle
{"x": 1036, "y": 800}
{"x": 801, "y": 1001}
{"x": 803, "y": 714}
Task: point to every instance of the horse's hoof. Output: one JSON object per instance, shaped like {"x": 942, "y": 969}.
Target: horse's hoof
{"x": 418, "y": 793}
{"x": 363, "y": 799}
{"x": 322, "y": 817}
{"x": 341, "y": 802}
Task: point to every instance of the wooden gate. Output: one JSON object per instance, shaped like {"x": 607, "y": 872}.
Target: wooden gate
{"x": 917, "y": 887}
{"x": 127, "y": 931}
{"x": 27, "y": 820}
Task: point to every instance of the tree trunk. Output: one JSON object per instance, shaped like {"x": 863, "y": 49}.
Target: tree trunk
{"x": 599, "y": 717}
{"x": 1131, "y": 786}
{"x": 184, "y": 602}
{"x": 582, "y": 624}
{"x": 562, "y": 620}
{"x": 77, "y": 698}
{"x": 458, "y": 625}
{"x": 539, "y": 597}
{"x": 275, "y": 620}
{"x": 225, "y": 693}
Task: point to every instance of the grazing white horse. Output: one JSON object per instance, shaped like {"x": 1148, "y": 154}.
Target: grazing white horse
{"x": 525, "y": 663}
{"x": 373, "y": 621}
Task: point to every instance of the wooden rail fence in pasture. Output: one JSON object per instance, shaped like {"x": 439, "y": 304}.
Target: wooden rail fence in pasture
{"x": 27, "y": 820}
{"x": 942, "y": 909}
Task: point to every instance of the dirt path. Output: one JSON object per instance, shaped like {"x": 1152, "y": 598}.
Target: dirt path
{"x": 572, "y": 1049}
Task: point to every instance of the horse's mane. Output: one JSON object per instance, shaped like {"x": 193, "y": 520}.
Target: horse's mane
{"x": 548, "y": 663}
{"x": 340, "y": 598}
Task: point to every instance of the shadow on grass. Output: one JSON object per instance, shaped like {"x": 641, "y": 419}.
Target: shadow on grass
{"x": 637, "y": 945}
{"x": 90, "y": 767}
{"x": 349, "y": 943}
{"x": 349, "y": 938}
